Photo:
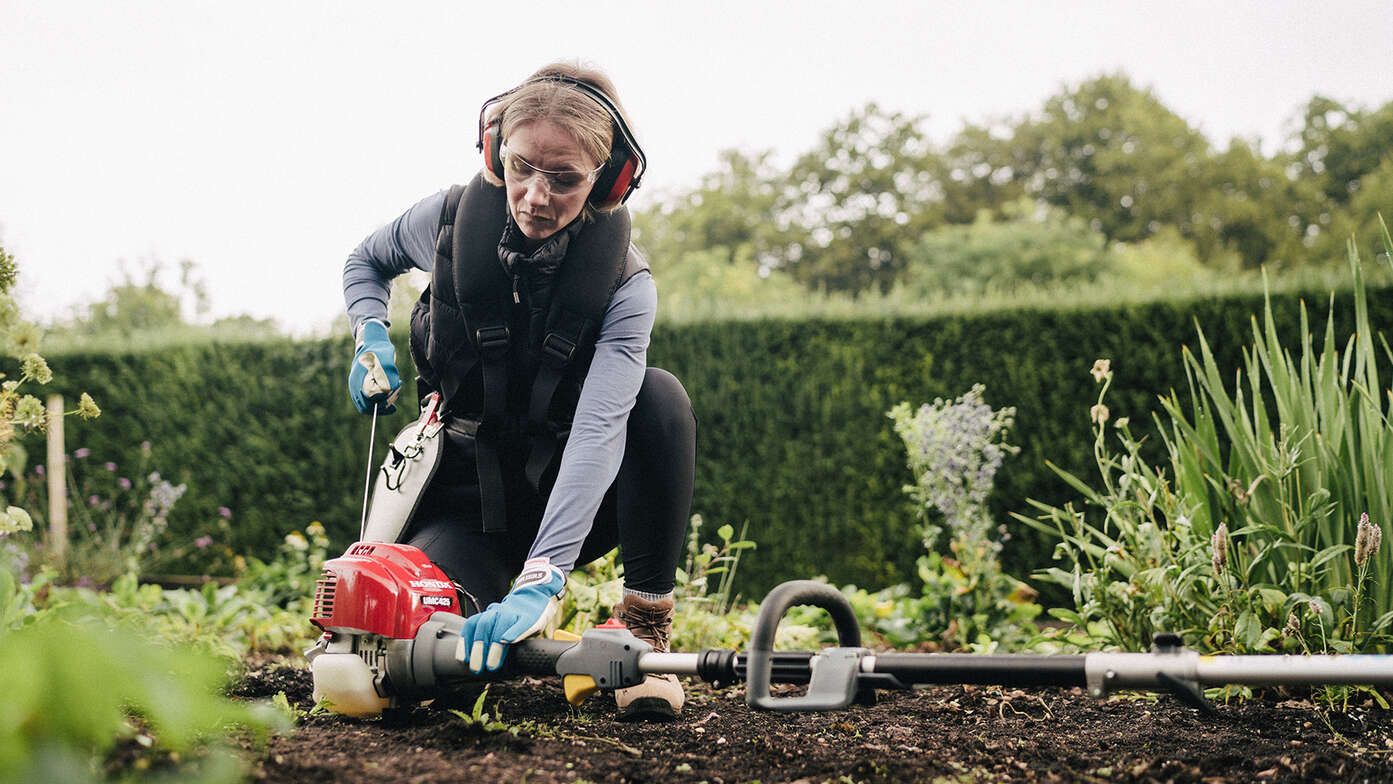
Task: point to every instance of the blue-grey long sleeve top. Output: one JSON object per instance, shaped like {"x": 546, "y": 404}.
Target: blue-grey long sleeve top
{"x": 595, "y": 448}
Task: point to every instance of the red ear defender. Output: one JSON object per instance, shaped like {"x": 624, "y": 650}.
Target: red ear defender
{"x": 616, "y": 182}
{"x": 491, "y": 142}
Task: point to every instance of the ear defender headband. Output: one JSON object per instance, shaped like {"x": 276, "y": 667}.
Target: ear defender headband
{"x": 621, "y": 173}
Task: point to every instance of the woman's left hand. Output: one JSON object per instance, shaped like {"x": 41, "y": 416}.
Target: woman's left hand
{"x": 529, "y": 607}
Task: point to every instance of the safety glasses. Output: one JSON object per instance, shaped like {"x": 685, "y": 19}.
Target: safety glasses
{"x": 560, "y": 183}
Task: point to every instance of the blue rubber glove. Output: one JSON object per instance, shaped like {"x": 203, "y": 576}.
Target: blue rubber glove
{"x": 530, "y": 607}
{"x": 374, "y": 379}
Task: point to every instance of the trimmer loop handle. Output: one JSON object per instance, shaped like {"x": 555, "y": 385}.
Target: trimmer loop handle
{"x": 835, "y": 670}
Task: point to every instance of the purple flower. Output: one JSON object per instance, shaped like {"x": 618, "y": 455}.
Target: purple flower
{"x": 2, "y": 485}
{"x": 92, "y": 527}
{"x": 145, "y": 447}
{"x": 203, "y": 541}
{"x": 39, "y": 469}
{"x": 85, "y": 582}
{"x": 124, "y": 483}
{"x": 111, "y": 466}
{"x": 224, "y": 511}
{"x": 82, "y": 452}
{"x": 92, "y": 500}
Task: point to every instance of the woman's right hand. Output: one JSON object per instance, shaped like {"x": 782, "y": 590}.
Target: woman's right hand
{"x": 373, "y": 381}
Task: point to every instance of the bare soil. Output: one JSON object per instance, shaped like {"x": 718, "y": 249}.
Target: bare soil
{"x": 941, "y": 734}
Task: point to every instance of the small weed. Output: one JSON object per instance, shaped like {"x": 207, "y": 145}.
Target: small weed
{"x": 478, "y": 717}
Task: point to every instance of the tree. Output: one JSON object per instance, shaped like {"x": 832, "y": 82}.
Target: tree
{"x": 731, "y": 214}
{"x": 1254, "y": 207}
{"x": 1113, "y": 154}
{"x": 854, "y": 205}
{"x": 1339, "y": 145}
{"x": 985, "y": 168}
{"x": 710, "y": 248}
{"x": 1346, "y": 155}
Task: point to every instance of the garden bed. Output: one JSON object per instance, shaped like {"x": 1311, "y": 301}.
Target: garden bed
{"x": 952, "y": 734}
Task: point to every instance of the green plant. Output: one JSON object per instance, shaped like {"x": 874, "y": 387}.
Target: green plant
{"x": 479, "y": 718}
{"x": 592, "y": 591}
{"x": 77, "y": 676}
{"x": 288, "y": 580}
{"x": 705, "y": 617}
{"x": 1250, "y": 543}
{"x": 954, "y": 451}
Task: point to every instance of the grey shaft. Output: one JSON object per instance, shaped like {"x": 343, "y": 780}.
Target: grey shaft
{"x": 663, "y": 663}
{"x": 1108, "y": 672}
{"x": 1288, "y": 670}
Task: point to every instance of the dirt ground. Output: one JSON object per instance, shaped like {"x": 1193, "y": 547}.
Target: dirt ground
{"x": 940, "y": 734}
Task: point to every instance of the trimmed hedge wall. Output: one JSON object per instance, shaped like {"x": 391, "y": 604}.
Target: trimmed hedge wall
{"x": 793, "y": 435}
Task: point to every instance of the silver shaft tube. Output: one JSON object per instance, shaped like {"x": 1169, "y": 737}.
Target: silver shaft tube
{"x": 1289, "y": 670}
{"x": 662, "y": 663}
{"x": 1108, "y": 672}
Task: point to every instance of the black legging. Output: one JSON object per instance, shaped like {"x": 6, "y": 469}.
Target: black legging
{"x": 645, "y": 511}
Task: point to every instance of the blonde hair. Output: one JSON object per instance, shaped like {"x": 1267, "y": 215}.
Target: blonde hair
{"x": 540, "y": 98}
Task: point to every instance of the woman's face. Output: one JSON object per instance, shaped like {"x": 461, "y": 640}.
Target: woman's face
{"x": 547, "y": 176}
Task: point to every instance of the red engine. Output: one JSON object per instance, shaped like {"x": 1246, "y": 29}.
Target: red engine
{"x": 381, "y": 588}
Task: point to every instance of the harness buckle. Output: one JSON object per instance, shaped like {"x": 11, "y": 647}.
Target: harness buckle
{"x": 558, "y": 349}
{"x": 492, "y": 340}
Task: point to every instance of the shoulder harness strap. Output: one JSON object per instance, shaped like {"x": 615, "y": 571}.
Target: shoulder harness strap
{"x": 596, "y": 264}
{"x": 481, "y": 291}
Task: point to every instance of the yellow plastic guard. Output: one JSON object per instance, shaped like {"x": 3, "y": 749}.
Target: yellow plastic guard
{"x": 578, "y": 688}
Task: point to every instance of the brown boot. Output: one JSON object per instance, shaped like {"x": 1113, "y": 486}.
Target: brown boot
{"x": 659, "y": 697}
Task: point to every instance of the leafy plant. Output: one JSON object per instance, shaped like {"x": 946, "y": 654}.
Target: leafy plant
{"x": 705, "y": 591}
{"x": 78, "y": 674}
{"x": 955, "y": 448}
{"x": 478, "y": 717}
{"x": 288, "y": 580}
{"x": 592, "y": 591}
{"x": 1250, "y": 542}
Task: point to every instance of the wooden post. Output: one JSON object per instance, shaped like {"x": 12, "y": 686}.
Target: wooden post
{"x": 57, "y": 483}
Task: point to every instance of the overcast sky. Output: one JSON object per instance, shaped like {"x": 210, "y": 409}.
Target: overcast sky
{"x": 263, "y": 140}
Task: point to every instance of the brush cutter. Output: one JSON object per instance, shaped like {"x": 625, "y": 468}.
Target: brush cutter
{"x": 391, "y": 622}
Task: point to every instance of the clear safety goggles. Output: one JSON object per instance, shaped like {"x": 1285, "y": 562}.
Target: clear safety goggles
{"x": 565, "y": 181}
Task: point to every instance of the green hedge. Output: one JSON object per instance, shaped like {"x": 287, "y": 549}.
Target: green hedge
{"x": 792, "y": 435}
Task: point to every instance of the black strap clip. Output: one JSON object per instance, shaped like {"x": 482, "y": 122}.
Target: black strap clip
{"x": 558, "y": 349}
{"x": 492, "y": 341}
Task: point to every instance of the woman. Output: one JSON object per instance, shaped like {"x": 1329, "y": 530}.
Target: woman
{"x": 561, "y": 443}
